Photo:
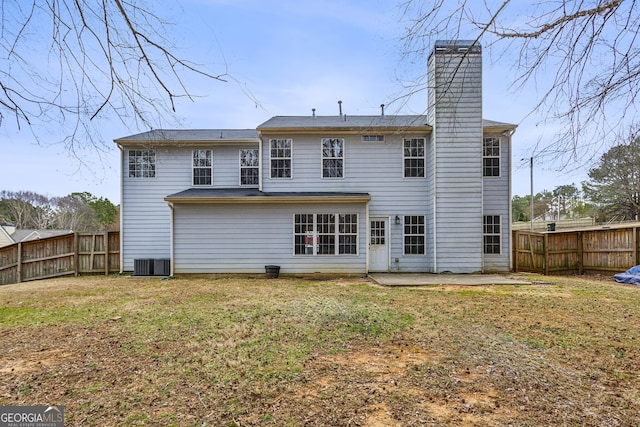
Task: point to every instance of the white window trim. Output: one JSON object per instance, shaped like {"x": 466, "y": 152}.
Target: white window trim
{"x": 336, "y": 234}
{"x": 240, "y": 167}
{"x": 201, "y": 167}
{"x": 290, "y": 159}
{"x": 499, "y": 234}
{"x": 322, "y": 158}
{"x": 499, "y": 157}
{"x": 424, "y": 243}
{"x": 424, "y": 158}
{"x": 155, "y": 164}
{"x": 372, "y": 137}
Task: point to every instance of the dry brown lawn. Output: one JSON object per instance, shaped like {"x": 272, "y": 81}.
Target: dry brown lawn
{"x": 244, "y": 351}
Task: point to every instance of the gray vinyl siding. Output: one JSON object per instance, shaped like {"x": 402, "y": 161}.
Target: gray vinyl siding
{"x": 231, "y": 238}
{"x": 145, "y": 214}
{"x": 496, "y": 202}
{"x": 457, "y": 133}
{"x": 376, "y": 168}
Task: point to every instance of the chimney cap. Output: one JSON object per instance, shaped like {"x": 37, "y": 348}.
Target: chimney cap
{"x": 457, "y": 46}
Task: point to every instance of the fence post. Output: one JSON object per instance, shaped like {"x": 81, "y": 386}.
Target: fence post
{"x": 106, "y": 253}
{"x": 19, "y": 266}
{"x": 545, "y": 257}
{"x": 580, "y": 254}
{"x": 76, "y": 255}
{"x": 635, "y": 246}
{"x": 516, "y": 245}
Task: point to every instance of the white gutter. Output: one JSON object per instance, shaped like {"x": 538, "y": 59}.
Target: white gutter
{"x": 121, "y": 208}
{"x": 260, "y": 168}
{"x": 435, "y": 202}
{"x": 171, "y": 242}
{"x": 368, "y": 237}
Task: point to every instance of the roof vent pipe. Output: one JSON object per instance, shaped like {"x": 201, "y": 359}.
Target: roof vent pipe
{"x": 340, "y": 107}
{"x": 313, "y": 112}
{"x": 382, "y": 109}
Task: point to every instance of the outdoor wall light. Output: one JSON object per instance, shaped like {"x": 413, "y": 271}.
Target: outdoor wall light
{"x": 397, "y": 220}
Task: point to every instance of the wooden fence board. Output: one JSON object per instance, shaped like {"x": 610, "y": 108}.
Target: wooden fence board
{"x": 74, "y": 253}
{"x": 595, "y": 251}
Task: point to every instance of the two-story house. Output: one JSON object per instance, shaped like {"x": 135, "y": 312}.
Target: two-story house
{"x": 347, "y": 194}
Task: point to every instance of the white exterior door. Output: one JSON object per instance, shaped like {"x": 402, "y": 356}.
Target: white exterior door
{"x": 379, "y": 244}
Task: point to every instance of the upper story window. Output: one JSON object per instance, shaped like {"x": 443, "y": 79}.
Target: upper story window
{"x": 372, "y": 138}
{"x": 280, "y": 153}
{"x": 202, "y": 167}
{"x": 332, "y": 157}
{"x": 249, "y": 162}
{"x": 491, "y": 234}
{"x": 142, "y": 163}
{"x": 491, "y": 157}
{"x": 414, "y": 159}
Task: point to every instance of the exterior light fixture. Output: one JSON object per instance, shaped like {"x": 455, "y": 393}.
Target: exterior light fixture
{"x": 397, "y": 220}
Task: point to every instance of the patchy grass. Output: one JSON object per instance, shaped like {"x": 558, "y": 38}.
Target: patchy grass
{"x": 238, "y": 351}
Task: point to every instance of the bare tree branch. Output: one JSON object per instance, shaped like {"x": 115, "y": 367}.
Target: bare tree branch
{"x": 70, "y": 62}
{"x": 582, "y": 57}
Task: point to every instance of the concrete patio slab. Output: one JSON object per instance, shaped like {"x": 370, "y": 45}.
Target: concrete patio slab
{"x": 429, "y": 279}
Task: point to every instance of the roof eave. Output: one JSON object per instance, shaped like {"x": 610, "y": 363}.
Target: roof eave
{"x": 268, "y": 199}
{"x": 175, "y": 142}
{"x": 346, "y": 129}
{"x": 500, "y": 128}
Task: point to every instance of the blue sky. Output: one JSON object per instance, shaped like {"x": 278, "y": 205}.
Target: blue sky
{"x": 285, "y": 58}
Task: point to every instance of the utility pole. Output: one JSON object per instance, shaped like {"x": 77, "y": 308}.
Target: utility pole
{"x": 531, "y": 179}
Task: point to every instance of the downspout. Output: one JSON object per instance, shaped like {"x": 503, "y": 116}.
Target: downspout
{"x": 171, "y": 254}
{"x": 368, "y": 237}
{"x": 121, "y": 207}
{"x": 260, "y": 168}
{"x": 435, "y": 202}
{"x": 510, "y": 214}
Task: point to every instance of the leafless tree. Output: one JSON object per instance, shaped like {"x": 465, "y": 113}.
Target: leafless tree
{"x": 582, "y": 57}
{"x": 26, "y": 209}
{"x": 67, "y": 63}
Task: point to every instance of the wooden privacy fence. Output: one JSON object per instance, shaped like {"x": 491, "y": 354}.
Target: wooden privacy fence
{"x": 69, "y": 254}
{"x": 592, "y": 251}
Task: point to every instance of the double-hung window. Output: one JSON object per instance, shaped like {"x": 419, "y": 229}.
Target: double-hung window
{"x": 491, "y": 234}
{"x": 249, "y": 162}
{"x": 325, "y": 234}
{"x": 414, "y": 235}
{"x": 332, "y": 157}
{"x": 280, "y": 154}
{"x": 202, "y": 167}
{"x": 491, "y": 157}
{"x": 142, "y": 163}
{"x": 414, "y": 158}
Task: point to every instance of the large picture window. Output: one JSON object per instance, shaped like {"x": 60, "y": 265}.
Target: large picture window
{"x": 491, "y": 234}
{"x": 280, "y": 154}
{"x": 491, "y": 157}
{"x": 414, "y": 235}
{"x": 332, "y": 157}
{"x": 142, "y": 164}
{"x": 414, "y": 158}
{"x": 249, "y": 163}
{"x": 325, "y": 234}
{"x": 202, "y": 167}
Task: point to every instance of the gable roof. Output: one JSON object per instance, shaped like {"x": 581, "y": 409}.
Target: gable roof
{"x": 346, "y": 123}
{"x": 171, "y": 136}
{"x": 299, "y": 124}
{"x": 389, "y": 123}
{"x": 345, "y": 120}
{"x": 24, "y": 235}
{"x": 254, "y": 195}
